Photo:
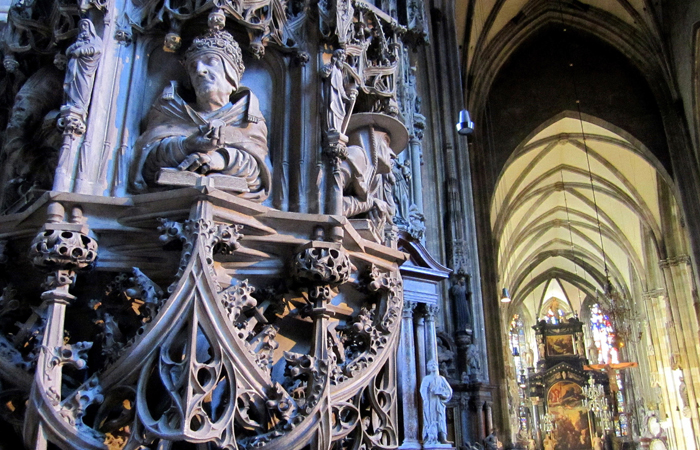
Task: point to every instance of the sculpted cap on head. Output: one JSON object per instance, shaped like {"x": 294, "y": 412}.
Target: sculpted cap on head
{"x": 217, "y": 42}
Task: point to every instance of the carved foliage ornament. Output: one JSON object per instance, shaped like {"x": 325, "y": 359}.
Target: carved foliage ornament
{"x": 63, "y": 247}
{"x": 322, "y": 263}
{"x": 197, "y": 366}
{"x": 264, "y": 20}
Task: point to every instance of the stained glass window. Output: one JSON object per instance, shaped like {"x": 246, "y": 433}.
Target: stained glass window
{"x": 603, "y": 336}
{"x": 604, "y": 339}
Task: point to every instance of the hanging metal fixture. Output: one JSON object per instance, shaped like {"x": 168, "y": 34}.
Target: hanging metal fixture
{"x": 465, "y": 126}
{"x": 597, "y": 404}
{"x": 547, "y": 423}
{"x": 505, "y": 296}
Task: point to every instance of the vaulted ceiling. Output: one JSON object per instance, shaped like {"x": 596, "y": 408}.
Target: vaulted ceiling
{"x": 479, "y": 22}
{"x": 577, "y": 150}
{"x": 576, "y": 198}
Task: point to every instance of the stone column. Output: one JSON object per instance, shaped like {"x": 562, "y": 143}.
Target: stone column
{"x": 416, "y": 178}
{"x": 419, "y": 342}
{"x": 479, "y": 406}
{"x": 430, "y": 334}
{"x": 683, "y": 334}
{"x": 407, "y": 375}
{"x": 61, "y": 249}
{"x": 419, "y": 333}
{"x": 536, "y": 419}
{"x": 488, "y": 407}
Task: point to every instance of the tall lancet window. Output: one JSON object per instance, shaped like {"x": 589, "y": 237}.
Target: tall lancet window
{"x": 603, "y": 335}
{"x": 605, "y": 341}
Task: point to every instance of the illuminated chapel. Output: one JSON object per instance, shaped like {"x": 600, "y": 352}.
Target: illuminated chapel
{"x": 349, "y": 224}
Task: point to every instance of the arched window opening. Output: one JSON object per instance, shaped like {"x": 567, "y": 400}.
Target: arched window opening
{"x": 603, "y": 335}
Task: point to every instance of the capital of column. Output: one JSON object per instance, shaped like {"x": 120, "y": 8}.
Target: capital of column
{"x": 431, "y": 312}
{"x": 408, "y": 308}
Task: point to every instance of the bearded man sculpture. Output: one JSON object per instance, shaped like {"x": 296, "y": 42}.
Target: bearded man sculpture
{"x": 223, "y": 132}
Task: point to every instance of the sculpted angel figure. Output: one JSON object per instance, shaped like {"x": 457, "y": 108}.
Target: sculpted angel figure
{"x": 223, "y": 132}
{"x": 83, "y": 57}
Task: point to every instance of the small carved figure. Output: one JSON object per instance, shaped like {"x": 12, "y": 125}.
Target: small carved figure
{"x": 416, "y": 223}
{"x": 111, "y": 335}
{"x": 366, "y": 177}
{"x": 580, "y": 345}
{"x": 172, "y": 42}
{"x": 593, "y": 353}
{"x": 402, "y": 192}
{"x": 491, "y": 442}
{"x": 29, "y": 151}
{"x": 10, "y": 63}
{"x": 549, "y": 442}
{"x": 83, "y": 57}
{"x": 461, "y": 298}
{"x": 10, "y": 84}
{"x": 597, "y": 442}
{"x": 435, "y": 392}
{"x": 223, "y": 132}
{"x": 529, "y": 358}
{"x": 531, "y": 443}
{"x": 473, "y": 363}
{"x": 336, "y": 94}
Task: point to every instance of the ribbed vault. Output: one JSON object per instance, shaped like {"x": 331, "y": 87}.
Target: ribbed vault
{"x": 577, "y": 204}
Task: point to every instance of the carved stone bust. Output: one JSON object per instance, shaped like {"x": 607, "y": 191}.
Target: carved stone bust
{"x": 223, "y": 132}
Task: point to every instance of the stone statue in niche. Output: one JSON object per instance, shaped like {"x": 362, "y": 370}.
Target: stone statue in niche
{"x": 473, "y": 362}
{"x": 223, "y": 132}
{"x": 366, "y": 179}
{"x": 31, "y": 142}
{"x": 540, "y": 347}
{"x": 83, "y": 58}
{"x": 580, "y": 345}
{"x": 435, "y": 392}
{"x": 461, "y": 298}
{"x": 402, "y": 193}
{"x": 337, "y": 97}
